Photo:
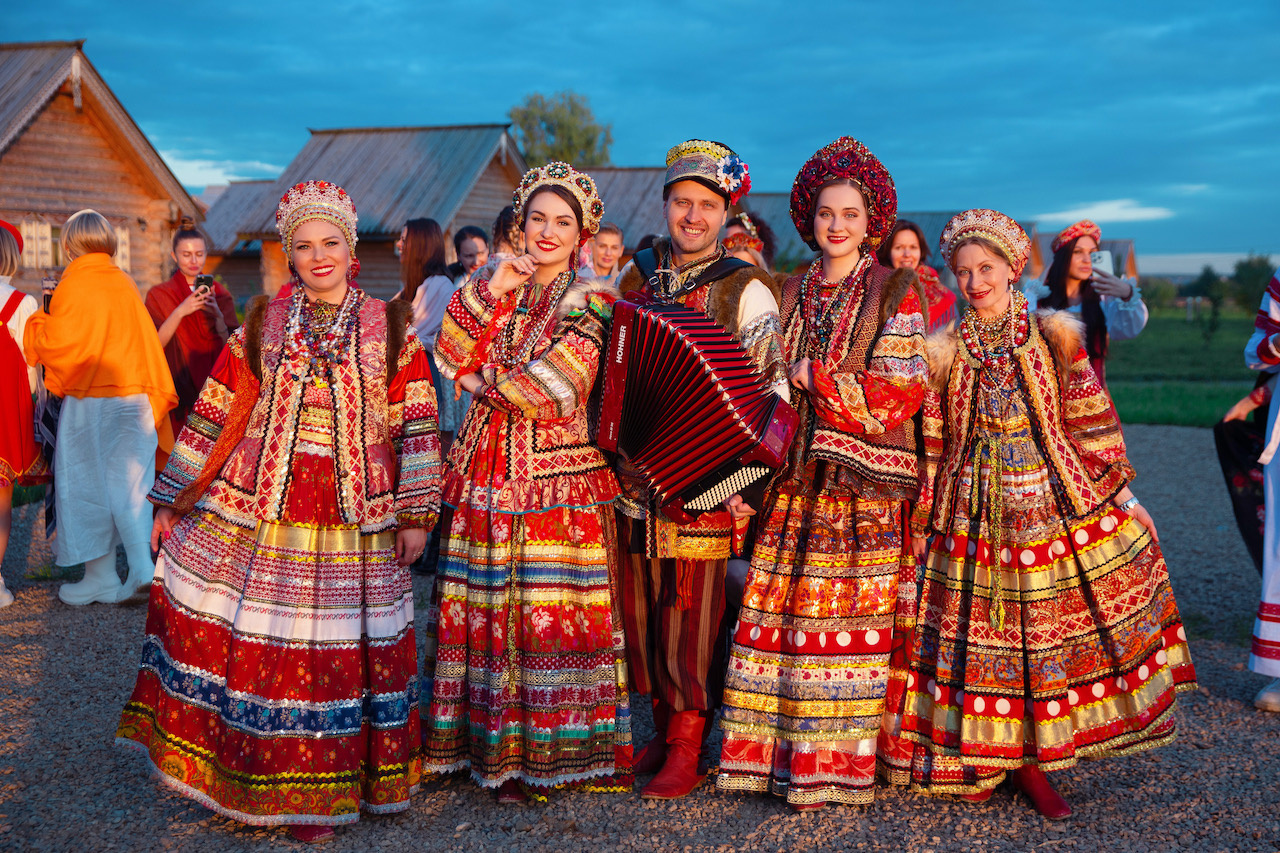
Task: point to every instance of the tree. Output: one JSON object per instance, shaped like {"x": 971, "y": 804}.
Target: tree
{"x": 1251, "y": 278}
{"x": 1214, "y": 288}
{"x": 561, "y": 127}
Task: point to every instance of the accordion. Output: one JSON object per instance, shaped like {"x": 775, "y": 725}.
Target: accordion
{"x": 688, "y": 408}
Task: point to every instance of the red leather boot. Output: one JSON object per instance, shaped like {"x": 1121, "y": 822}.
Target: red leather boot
{"x": 654, "y": 754}
{"x": 1031, "y": 781}
{"x": 679, "y": 774}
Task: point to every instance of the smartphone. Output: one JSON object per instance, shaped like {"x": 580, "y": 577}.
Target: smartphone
{"x": 204, "y": 283}
{"x": 1102, "y": 261}
{"x": 47, "y": 284}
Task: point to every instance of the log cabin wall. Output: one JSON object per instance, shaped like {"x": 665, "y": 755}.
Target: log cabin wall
{"x": 69, "y": 159}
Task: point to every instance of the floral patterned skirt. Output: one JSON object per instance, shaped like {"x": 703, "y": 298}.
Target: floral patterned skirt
{"x": 278, "y": 682}
{"x": 529, "y": 676}
{"x": 810, "y": 668}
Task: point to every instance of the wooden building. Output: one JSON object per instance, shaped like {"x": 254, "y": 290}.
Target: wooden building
{"x": 236, "y": 262}
{"x": 66, "y": 143}
{"x": 456, "y": 175}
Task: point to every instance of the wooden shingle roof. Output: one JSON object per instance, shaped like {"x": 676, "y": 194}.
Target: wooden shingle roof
{"x": 31, "y": 73}
{"x": 392, "y": 173}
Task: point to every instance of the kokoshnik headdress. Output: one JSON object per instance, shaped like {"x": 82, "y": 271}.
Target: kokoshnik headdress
{"x": 1083, "y": 228}
{"x": 845, "y": 158}
{"x": 712, "y": 164}
{"x": 563, "y": 175}
{"x": 311, "y": 200}
{"x": 994, "y": 226}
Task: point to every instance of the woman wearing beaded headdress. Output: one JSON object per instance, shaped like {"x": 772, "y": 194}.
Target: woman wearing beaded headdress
{"x": 527, "y": 680}
{"x": 279, "y": 679}
{"x": 1047, "y": 630}
{"x": 809, "y": 669}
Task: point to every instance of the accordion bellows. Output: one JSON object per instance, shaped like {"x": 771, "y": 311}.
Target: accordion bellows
{"x": 688, "y": 408}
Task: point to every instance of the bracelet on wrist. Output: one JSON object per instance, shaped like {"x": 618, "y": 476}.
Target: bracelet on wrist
{"x": 1128, "y": 505}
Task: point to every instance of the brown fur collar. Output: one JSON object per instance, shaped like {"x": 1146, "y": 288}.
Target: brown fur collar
{"x": 399, "y": 316}
{"x": 253, "y": 316}
{"x": 1064, "y": 333}
{"x": 1061, "y": 330}
{"x": 583, "y": 288}
{"x": 896, "y": 287}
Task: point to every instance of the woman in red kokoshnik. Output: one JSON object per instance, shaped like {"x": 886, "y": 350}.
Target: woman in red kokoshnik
{"x": 810, "y": 664}
{"x": 1047, "y": 630}
{"x": 279, "y": 679}
{"x": 528, "y": 686}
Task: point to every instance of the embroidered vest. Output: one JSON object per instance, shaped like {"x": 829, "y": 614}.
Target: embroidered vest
{"x": 885, "y": 464}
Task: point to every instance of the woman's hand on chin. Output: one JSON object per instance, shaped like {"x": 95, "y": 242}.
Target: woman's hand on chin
{"x": 510, "y": 274}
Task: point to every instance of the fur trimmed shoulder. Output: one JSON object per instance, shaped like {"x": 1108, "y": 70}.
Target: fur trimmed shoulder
{"x": 580, "y": 292}
{"x": 897, "y": 284}
{"x": 630, "y": 279}
{"x": 254, "y": 314}
{"x": 940, "y": 349}
{"x": 399, "y": 316}
{"x": 1064, "y": 333}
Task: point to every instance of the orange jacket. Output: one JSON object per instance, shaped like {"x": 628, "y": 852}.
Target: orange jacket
{"x": 98, "y": 341}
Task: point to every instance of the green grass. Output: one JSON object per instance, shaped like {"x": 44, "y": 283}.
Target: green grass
{"x": 1167, "y": 375}
{"x": 1200, "y": 404}
{"x": 1170, "y": 348}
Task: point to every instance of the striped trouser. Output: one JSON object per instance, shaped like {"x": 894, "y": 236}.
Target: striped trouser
{"x": 675, "y": 654}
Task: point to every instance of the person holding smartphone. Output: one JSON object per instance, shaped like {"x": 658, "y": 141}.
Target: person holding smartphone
{"x": 1110, "y": 306}
{"x": 193, "y": 315}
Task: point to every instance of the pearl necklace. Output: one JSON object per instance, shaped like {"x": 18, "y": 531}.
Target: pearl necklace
{"x": 993, "y": 341}
{"x": 512, "y": 353}
{"x": 313, "y": 350}
{"x": 820, "y": 316}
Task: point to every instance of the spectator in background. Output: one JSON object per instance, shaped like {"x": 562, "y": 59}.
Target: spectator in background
{"x": 745, "y": 223}
{"x": 472, "y": 249}
{"x": 100, "y": 353}
{"x": 606, "y": 252}
{"x": 1262, "y": 353}
{"x": 1111, "y": 307}
{"x": 906, "y": 247}
{"x": 20, "y": 459}
{"x": 427, "y": 287}
{"x": 193, "y": 324}
{"x": 646, "y": 242}
{"x": 508, "y": 238}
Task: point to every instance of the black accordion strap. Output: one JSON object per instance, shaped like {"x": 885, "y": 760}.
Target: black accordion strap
{"x": 647, "y": 263}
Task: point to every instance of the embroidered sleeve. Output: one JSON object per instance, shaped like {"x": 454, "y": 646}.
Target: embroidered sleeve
{"x": 1262, "y": 352}
{"x": 760, "y": 332}
{"x": 189, "y": 470}
{"x": 560, "y": 379}
{"x": 1091, "y": 423}
{"x": 412, "y": 417}
{"x": 889, "y": 391}
{"x": 467, "y": 328}
{"x": 1125, "y": 317}
{"x": 931, "y": 458}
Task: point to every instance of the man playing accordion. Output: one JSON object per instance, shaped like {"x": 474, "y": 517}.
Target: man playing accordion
{"x": 673, "y": 574}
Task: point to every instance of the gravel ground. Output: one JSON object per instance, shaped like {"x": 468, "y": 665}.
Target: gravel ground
{"x": 65, "y": 786}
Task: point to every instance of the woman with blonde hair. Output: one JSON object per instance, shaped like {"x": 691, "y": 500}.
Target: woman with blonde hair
{"x": 100, "y": 353}
{"x": 1047, "y": 630}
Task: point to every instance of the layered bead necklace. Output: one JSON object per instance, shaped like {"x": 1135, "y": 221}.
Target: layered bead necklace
{"x": 822, "y": 310}
{"x": 512, "y": 351}
{"x": 993, "y": 341}
{"x": 317, "y": 332}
